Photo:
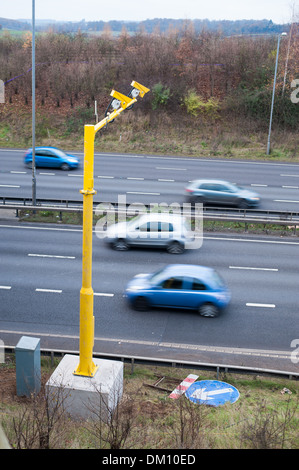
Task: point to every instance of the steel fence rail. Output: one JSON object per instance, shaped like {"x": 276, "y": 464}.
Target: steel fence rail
{"x": 176, "y": 363}
{"x": 282, "y": 218}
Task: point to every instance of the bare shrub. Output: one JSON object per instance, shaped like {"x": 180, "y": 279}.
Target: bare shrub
{"x": 268, "y": 428}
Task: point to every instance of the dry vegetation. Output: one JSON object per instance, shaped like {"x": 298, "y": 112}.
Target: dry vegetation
{"x": 210, "y": 94}
{"x": 265, "y": 416}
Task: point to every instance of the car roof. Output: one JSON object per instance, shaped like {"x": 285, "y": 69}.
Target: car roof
{"x": 189, "y": 270}
{"x": 210, "y": 181}
{"x": 43, "y": 147}
{"x": 161, "y": 216}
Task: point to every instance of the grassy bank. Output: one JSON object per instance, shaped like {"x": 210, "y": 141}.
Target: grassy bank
{"x": 265, "y": 415}
{"x": 154, "y": 133}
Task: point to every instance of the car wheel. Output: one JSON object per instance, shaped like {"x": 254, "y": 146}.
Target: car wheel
{"x": 120, "y": 245}
{"x": 65, "y": 167}
{"x": 175, "y": 248}
{"x": 141, "y": 304}
{"x": 208, "y": 310}
{"x": 29, "y": 165}
{"x": 243, "y": 204}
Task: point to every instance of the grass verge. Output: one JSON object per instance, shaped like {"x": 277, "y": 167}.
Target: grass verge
{"x": 265, "y": 415}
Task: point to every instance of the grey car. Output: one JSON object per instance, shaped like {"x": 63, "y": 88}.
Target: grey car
{"x": 212, "y": 191}
{"x": 159, "y": 230}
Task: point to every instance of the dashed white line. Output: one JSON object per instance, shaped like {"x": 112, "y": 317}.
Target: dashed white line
{"x": 53, "y": 291}
{"x": 162, "y": 179}
{"x": 51, "y": 256}
{"x": 284, "y": 200}
{"x": 254, "y": 269}
{"x": 167, "y": 168}
{"x": 19, "y": 172}
{"x": 260, "y": 305}
{"x": 293, "y": 176}
{"x": 139, "y": 192}
{"x": 47, "y": 174}
{"x": 291, "y": 187}
{"x": 138, "y": 179}
{"x": 261, "y": 185}
{"x": 9, "y": 186}
{"x": 103, "y": 294}
{"x": 5, "y": 287}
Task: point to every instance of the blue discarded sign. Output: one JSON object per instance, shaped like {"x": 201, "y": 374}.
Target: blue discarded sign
{"x": 212, "y": 392}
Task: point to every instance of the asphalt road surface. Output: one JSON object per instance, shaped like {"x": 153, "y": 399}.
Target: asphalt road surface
{"x": 151, "y": 179}
{"x": 40, "y": 281}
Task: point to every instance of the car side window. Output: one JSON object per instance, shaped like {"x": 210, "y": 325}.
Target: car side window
{"x": 165, "y": 227}
{"x": 207, "y": 186}
{"x": 221, "y": 187}
{"x": 172, "y": 283}
{"x": 198, "y": 285}
{"x": 143, "y": 228}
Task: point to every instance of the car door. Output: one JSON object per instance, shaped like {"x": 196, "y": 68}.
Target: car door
{"x": 224, "y": 194}
{"x": 144, "y": 234}
{"x": 198, "y": 292}
{"x": 46, "y": 158}
{"x": 171, "y": 292}
{"x": 207, "y": 191}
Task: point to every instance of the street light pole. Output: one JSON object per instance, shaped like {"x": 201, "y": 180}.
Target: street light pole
{"x": 33, "y": 107}
{"x": 273, "y": 92}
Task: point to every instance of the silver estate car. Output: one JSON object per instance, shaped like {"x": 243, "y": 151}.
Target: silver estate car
{"x": 210, "y": 191}
{"x": 158, "y": 230}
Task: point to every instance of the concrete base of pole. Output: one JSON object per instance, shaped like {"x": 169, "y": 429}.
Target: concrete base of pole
{"x": 86, "y": 397}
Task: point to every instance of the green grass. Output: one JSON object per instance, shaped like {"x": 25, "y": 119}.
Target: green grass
{"x": 262, "y": 417}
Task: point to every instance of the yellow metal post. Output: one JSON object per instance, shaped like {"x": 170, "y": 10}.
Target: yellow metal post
{"x": 86, "y": 365}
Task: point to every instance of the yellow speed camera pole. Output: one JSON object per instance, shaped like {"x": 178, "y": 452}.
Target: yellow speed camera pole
{"x": 120, "y": 102}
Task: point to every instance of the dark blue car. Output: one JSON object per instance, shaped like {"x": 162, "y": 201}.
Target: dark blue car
{"x": 51, "y": 157}
{"x": 180, "y": 286}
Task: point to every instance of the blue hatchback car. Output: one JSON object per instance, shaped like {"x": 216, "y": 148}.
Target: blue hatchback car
{"x": 180, "y": 286}
{"x": 51, "y": 157}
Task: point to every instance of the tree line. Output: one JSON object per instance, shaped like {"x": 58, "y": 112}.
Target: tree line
{"x": 186, "y": 71}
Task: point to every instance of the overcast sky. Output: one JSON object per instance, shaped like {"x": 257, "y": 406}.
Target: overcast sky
{"x": 279, "y": 11}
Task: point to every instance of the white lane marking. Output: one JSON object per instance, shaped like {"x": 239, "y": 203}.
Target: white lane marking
{"x": 51, "y": 256}
{"x": 262, "y": 185}
{"x": 293, "y": 176}
{"x": 54, "y": 291}
{"x": 76, "y": 176}
{"x": 283, "y": 200}
{"x": 19, "y": 172}
{"x": 139, "y": 192}
{"x": 9, "y": 186}
{"x": 5, "y": 287}
{"x": 260, "y": 305}
{"x": 166, "y": 168}
{"x": 139, "y": 179}
{"x": 47, "y": 174}
{"x": 251, "y": 241}
{"x": 256, "y": 269}
{"x": 162, "y": 179}
{"x": 291, "y": 187}
{"x": 43, "y": 228}
{"x": 103, "y": 294}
